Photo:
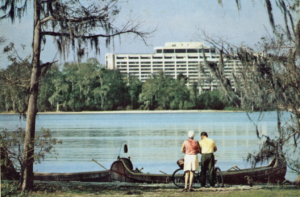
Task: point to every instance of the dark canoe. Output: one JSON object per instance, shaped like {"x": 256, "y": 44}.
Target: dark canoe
{"x": 274, "y": 172}
{"x": 96, "y": 176}
{"x": 122, "y": 170}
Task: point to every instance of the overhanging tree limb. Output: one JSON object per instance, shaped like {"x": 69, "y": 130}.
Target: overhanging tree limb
{"x": 48, "y": 64}
{"x": 73, "y": 20}
{"x": 141, "y": 34}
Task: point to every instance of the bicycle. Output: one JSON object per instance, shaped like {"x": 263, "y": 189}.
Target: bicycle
{"x": 178, "y": 177}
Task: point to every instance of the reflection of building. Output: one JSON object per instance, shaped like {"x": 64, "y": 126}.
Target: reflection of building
{"x": 173, "y": 59}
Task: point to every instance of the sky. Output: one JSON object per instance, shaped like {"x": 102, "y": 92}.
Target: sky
{"x": 174, "y": 21}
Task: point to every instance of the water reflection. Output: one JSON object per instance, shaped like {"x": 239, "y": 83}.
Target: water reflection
{"x": 154, "y": 140}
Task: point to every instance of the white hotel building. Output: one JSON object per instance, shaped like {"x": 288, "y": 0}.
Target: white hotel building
{"x": 174, "y": 58}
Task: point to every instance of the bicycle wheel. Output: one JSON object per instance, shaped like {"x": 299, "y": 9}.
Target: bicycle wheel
{"x": 196, "y": 181}
{"x": 178, "y": 178}
{"x": 219, "y": 177}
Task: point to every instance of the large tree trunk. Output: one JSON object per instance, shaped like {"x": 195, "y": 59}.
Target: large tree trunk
{"x": 32, "y": 103}
{"x": 297, "y": 181}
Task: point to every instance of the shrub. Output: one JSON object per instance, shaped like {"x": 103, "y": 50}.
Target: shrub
{"x": 9, "y": 188}
{"x": 211, "y": 100}
{"x": 12, "y": 144}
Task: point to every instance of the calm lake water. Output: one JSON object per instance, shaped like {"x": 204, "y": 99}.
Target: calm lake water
{"x": 154, "y": 139}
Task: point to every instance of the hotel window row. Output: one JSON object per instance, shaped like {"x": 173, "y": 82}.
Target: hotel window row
{"x": 173, "y": 59}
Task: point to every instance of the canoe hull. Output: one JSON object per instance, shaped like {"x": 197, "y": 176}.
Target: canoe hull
{"x": 96, "y": 176}
{"x": 122, "y": 170}
{"x": 273, "y": 173}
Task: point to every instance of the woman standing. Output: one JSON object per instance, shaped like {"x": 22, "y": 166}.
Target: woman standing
{"x": 191, "y": 148}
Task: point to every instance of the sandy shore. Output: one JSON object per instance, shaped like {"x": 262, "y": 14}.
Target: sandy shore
{"x": 136, "y": 112}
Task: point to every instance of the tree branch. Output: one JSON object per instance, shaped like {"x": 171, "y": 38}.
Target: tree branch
{"x": 142, "y": 35}
{"x": 291, "y": 135}
{"x": 50, "y": 33}
{"x": 74, "y": 20}
{"x": 19, "y": 83}
{"x": 44, "y": 20}
{"x": 47, "y": 64}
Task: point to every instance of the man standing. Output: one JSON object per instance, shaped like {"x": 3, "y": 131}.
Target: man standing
{"x": 190, "y": 147}
{"x": 208, "y": 147}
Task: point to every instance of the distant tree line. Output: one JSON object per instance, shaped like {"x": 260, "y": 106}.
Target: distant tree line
{"x": 89, "y": 86}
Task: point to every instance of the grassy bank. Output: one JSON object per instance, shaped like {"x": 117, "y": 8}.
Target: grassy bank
{"x": 56, "y": 189}
{"x": 168, "y": 192}
{"x": 172, "y": 192}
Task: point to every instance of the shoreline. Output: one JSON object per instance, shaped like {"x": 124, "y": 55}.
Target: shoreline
{"x": 129, "y": 112}
{"x": 70, "y": 189}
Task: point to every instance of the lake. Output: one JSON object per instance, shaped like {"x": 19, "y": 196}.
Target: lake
{"x": 154, "y": 139}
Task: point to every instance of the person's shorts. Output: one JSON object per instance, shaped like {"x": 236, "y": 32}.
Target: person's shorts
{"x": 191, "y": 163}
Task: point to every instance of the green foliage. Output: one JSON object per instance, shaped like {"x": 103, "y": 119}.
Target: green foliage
{"x": 85, "y": 86}
{"x": 12, "y": 143}
{"x": 164, "y": 92}
{"x": 134, "y": 88}
{"x": 88, "y": 86}
{"x": 212, "y": 100}
{"x": 48, "y": 93}
{"x": 15, "y": 81}
{"x": 14, "y": 87}
{"x": 9, "y": 188}
{"x": 73, "y": 90}
{"x": 113, "y": 91}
